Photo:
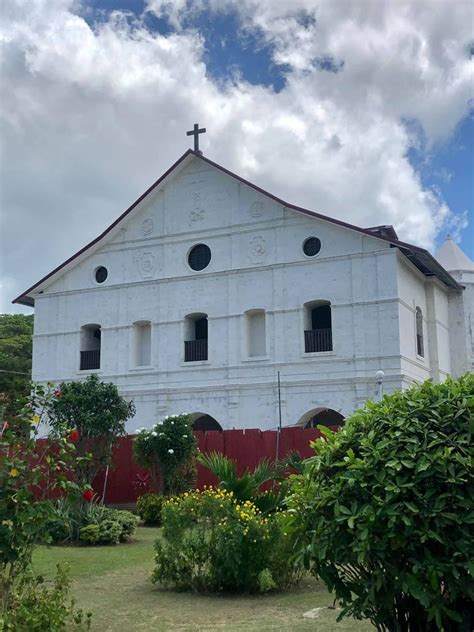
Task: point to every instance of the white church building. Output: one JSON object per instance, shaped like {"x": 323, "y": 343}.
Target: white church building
{"x": 208, "y": 287}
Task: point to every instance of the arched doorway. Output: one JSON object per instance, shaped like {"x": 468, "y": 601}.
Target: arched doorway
{"x": 321, "y": 417}
{"x": 203, "y": 422}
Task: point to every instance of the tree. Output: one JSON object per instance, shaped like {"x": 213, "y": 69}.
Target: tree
{"x": 168, "y": 451}
{"x": 16, "y": 331}
{"x": 98, "y": 413}
{"x": 385, "y": 510}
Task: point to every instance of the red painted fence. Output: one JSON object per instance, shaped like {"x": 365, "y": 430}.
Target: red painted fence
{"x": 246, "y": 447}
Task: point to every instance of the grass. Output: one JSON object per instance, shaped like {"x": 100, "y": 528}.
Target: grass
{"x": 113, "y": 583}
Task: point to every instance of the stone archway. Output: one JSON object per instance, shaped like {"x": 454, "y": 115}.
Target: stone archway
{"x": 203, "y": 422}
{"x": 321, "y": 417}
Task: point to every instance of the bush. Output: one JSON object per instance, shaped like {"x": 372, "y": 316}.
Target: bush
{"x": 128, "y": 522}
{"x": 90, "y": 523}
{"x": 168, "y": 451}
{"x": 384, "y": 512}
{"x": 90, "y": 534}
{"x": 35, "y": 608}
{"x": 149, "y": 508}
{"x": 210, "y": 542}
{"x": 112, "y": 527}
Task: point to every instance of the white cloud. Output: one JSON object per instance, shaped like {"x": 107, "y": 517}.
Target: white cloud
{"x": 91, "y": 117}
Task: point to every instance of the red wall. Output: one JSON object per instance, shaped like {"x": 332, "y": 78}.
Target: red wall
{"x": 247, "y": 447}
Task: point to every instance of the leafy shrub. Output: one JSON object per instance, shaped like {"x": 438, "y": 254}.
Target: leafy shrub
{"x": 112, "y": 527}
{"x": 128, "y": 522}
{"x": 211, "y": 542}
{"x": 168, "y": 451}
{"x": 385, "y": 511}
{"x": 149, "y": 508}
{"x": 90, "y": 534}
{"x": 35, "y": 608}
{"x": 90, "y": 523}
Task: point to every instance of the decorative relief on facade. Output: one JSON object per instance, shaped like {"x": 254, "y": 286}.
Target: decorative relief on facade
{"x": 147, "y": 264}
{"x": 197, "y": 212}
{"x": 256, "y": 209}
{"x": 147, "y": 226}
{"x": 257, "y": 249}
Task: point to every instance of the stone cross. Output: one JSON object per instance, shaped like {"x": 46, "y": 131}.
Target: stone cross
{"x": 195, "y": 132}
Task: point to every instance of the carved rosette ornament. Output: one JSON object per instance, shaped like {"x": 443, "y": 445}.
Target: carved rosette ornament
{"x": 147, "y": 264}
{"x": 256, "y": 209}
{"x": 147, "y": 226}
{"x": 257, "y": 249}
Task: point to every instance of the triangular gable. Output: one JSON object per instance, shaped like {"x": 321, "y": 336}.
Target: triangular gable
{"x": 420, "y": 257}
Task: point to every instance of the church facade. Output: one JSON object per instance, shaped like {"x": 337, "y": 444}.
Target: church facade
{"x": 208, "y": 291}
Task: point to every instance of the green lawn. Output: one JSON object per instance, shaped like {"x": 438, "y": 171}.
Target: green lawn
{"x": 113, "y": 583}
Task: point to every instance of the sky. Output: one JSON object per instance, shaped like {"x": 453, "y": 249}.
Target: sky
{"x": 358, "y": 109}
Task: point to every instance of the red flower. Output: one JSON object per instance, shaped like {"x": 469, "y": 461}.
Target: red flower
{"x": 57, "y": 392}
{"x": 88, "y": 495}
{"x": 74, "y": 436}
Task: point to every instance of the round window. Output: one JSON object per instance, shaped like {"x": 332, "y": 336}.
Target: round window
{"x": 311, "y": 246}
{"x": 199, "y": 257}
{"x": 101, "y": 274}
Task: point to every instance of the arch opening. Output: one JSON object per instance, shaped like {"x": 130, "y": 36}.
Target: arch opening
{"x": 204, "y": 423}
{"x": 322, "y": 417}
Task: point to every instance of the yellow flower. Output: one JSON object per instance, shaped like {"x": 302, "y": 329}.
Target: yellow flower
{"x": 35, "y": 419}
{"x": 14, "y": 472}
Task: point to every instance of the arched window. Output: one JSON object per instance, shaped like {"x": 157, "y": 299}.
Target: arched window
{"x": 255, "y": 333}
{"x": 419, "y": 332}
{"x": 90, "y": 347}
{"x": 321, "y": 417}
{"x": 204, "y": 423}
{"x": 195, "y": 337}
{"x": 317, "y": 327}
{"x": 142, "y": 343}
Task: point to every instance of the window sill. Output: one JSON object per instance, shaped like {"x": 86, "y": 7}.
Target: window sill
{"x": 318, "y": 354}
{"x": 196, "y": 363}
{"x": 256, "y": 358}
{"x": 420, "y": 358}
{"x": 87, "y": 371}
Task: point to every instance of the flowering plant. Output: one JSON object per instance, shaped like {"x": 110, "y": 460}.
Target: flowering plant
{"x": 223, "y": 544}
{"x": 168, "y": 451}
{"x": 31, "y": 473}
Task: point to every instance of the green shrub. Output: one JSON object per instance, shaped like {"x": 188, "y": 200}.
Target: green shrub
{"x": 385, "y": 511}
{"x": 113, "y": 527}
{"x": 71, "y": 521}
{"x": 149, "y": 508}
{"x": 211, "y": 542}
{"x": 90, "y": 534}
{"x": 35, "y": 608}
{"x": 127, "y": 520}
{"x": 110, "y": 532}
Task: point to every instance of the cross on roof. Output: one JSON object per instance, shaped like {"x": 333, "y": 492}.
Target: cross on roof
{"x": 195, "y": 132}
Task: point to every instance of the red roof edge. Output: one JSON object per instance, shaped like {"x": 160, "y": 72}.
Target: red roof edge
{"x": 24, "y": 299}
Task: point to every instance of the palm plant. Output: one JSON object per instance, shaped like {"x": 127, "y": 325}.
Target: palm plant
{"x": 247, "y": 486}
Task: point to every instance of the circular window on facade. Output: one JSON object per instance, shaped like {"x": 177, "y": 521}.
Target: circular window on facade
{"x": 101, "y": 274}
{"x": 199, "y": 257}
{"x": 311, "y": 246}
